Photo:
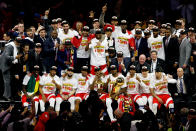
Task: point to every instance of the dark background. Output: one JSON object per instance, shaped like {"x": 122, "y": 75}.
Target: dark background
{"x": 29, "y": 11}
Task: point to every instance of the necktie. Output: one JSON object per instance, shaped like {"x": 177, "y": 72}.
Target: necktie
{"x": 119, "y": 68}
{"x": 136, "y": 44}
{"x": 68, "y": 55}
{"x": 181, "y": 86}
{"x": 166, "y": 42}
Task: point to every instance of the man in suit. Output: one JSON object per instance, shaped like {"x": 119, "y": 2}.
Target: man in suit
{"x": 182, "y": 90}
{"x": 155, "y": 61}
{"x": 140, "y": 63}
{"x": 119, "y": 62}
{"x": 141, "y": 44}
{"x": 185, "y": 52}
{"x": 50, "y": 50}
{"x": 41, "y": 38}
{"x": 171, "y": 46}
{"x": 9, "y": 57}
{"x": 36, "y": 58}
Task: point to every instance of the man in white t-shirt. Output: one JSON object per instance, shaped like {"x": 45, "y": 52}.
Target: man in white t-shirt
{"x": 155, "y": 42}
{"x": 30, "y": 88}
{"x": 67, "y": 91}
{"x": 124, "y": 41}
{"x": 80, "y": 42}
{"x": 67, "y": 33}
{"x": 112, "y": 80}
{"x": 47, "y": 88}
{"x": 99, "y": 53}
{"x": 146, "y": 78}
{"x": 133, "y": 87}
{"x": 159, "y": 91}
{"x": 82, "y": 87}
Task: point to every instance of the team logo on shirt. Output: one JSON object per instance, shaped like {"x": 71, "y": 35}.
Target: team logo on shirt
{"x": 82, "y": 82}
{"x": 131, "y": 84}
{"x": 157, "y": 45}
{"x": 49, "y": 86}
{"x": 84, "y": 42}
{"x": 122, "y": 40}
{"x": 146, "y": 82}
{"x": 67, "y": 86}
{"x": 160, "y": 86}
{"x": 99, "y": 49}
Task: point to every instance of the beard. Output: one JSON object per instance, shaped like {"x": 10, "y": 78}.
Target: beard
{"x": 69, "y": 75}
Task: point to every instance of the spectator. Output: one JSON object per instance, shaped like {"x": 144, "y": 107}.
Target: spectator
{"x": 185, "y": 52}
{"x": 140, "y": 63}
{"x": 50, "y": 50}
{"x": 8, "y": 58}
{"x": 141, "y": 44}
{"x": 171, "y": 46}
{"x": 36, "y": 58}
{"x": 182, "y": 90}
{"x": 119, "y": 62}
{"x": 155, "y": 62}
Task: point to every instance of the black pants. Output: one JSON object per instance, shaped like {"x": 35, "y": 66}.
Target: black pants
{"x": 187, "y": 98}
{"x": 81, "y": 62}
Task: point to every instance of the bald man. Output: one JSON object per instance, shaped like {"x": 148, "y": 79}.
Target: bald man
{"x": 140, "y": 63}
{"x": 182, "y": 92}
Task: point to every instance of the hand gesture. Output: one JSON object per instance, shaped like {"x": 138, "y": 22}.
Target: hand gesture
{"x": 44, "y": 98}
{"x": 137, "y": 78}
{"x": 92, "y": 13}
{"x": 18, "y": 56}
{"x": 104, "y": 8}
{"x": 160, "y": 100}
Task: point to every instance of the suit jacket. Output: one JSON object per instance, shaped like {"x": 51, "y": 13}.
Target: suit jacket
{"x": 6, "y": 58}
{"x": 38, "y": 39}
{"x": 186, "y": 79}
{"x": 36, "y": 61}
{"x": 185, "y": 52}
{"x": 143, "y": 47}
{"x": 49, "y": 52}
{"x": 171, "y": 51}
{"x": 115, "y": 62}
{"x": 138, "y": 66}
{"x": 160, "y": 63}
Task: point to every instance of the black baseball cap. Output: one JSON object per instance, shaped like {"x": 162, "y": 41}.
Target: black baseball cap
{"x": 70, "y": 69}
{"x": 53, "y": 68}
{"x": 113, "y": 67}
{"x": 37, "y": 45}
{"x": 119, "y": 54}
{"x": 144, "y": 68}
{"x": 132, "y": 67}
{"x": 84, "y": 68}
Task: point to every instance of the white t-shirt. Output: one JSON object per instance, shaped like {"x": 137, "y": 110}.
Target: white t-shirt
{"x": 132, "y": 85}
{"x": 147, "y": 81}
{"x": 159, "y": 87}
{"x": 71, "y": 33}
{"x": 157, "y": 44}
{"x": 113, "y": 81}
{"x": 48, "y": 86}
{"x": 98, "y": 53}
{"x": 81, "y": 53}
{"x": 83, "y": 84}
{"x": 68, "y": 85}
{"x": 101, "y": 83}
{"x": 122, "y": 42}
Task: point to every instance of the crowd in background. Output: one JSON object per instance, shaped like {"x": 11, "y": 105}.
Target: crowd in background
{"x": 99, "y": 73}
